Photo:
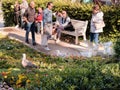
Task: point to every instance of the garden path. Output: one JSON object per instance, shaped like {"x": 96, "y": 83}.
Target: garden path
{"x": 63, "y": 47}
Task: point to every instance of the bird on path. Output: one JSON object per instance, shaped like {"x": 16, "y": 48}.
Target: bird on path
{"x": 26, "y": 63}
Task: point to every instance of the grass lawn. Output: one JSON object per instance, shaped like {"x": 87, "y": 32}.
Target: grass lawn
{"x": 54, "y": 73}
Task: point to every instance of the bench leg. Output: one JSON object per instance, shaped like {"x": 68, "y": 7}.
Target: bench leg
{"x": 76, "y": 39}
{"x": 84, "y": 37}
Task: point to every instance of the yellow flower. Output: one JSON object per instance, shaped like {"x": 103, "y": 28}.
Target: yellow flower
{"x": 5, "y": 76}
{"x": 36, "y": 75}
{"x": 12, "y": 77}
{"x": 22, "y": 76}
{"x": 12, "y": 6}
{"x": 28, "y": 81}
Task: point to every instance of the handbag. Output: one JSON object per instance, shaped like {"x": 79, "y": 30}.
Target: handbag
{"x": 69, "y": 27}
{"x": 34, "y": 27}
{"x": 44, "y": 39}
{"x": 99, "y": 25}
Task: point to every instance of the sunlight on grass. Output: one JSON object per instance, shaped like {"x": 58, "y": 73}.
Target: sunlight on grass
{"x": 2, "y": 36}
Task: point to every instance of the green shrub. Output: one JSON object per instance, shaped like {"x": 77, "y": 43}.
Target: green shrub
{"x": 117, "y": 48}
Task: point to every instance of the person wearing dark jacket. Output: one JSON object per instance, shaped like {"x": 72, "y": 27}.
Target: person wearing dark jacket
{"x": 29, "y": 18}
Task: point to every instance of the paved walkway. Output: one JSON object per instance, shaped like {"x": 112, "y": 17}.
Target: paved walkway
{"x": 62, "y": 47}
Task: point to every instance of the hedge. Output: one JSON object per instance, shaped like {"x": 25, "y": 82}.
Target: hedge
{"x": 117, "y": 49}
{"x": 77, "y": 11}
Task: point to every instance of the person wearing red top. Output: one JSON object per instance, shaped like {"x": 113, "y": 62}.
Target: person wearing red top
{"x": 38, "y": 19}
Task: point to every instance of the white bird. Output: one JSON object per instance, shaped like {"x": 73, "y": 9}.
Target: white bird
{"x": 26, "y": 63}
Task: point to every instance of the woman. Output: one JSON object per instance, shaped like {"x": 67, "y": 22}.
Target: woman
{"x": 17, "y": 13}
{"x": 64, "y": 24}
{"x": 96, "y": 24}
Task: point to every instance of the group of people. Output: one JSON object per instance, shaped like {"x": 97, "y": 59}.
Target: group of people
{"x": 44, "y": 22}
{"x": 26, "y": 17}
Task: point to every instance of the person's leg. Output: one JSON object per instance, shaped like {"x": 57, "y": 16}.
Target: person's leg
{"x": 59, "y": 29}
{"x": 58, "y": 33}
{"x": 96, "y": 38}
{"x": 44, "y": 40}
{"x": 27, "y": 32}
{"x": 41, "y": 27}
{"x": 17, "y": 19}
{"x": 91, "y": 37}
{"x": 38, "y": 27}
{"x": 32, "y": 29}
{"x": 33, "y": 37}
{"x": 21, "y": 21}
{"x": 48, "y": 32}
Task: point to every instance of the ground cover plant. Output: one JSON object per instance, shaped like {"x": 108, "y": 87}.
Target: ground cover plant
{"x": 54, "y": 73}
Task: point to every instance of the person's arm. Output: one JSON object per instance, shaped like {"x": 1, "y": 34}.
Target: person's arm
{"x": 45, "y": 14}
{"x": 98, "y": 18}
{"x": 24, "y": 5}
{"x": 54, "y": 14}
{"x": 25, "y": 17}
{"x": 36, "y": 14}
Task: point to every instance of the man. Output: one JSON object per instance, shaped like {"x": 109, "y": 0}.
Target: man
{"x": 47, "y": 23}
{"x": 29, "y": 18}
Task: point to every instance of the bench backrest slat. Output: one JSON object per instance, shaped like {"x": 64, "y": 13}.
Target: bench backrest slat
{"x": 78, "y": 25}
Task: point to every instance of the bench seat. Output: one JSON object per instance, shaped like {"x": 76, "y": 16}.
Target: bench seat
{"x": 80, "y": 29}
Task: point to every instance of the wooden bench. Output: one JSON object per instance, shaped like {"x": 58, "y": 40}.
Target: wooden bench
{"x": 80, "y": 29}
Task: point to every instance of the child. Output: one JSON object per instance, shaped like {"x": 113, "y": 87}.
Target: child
{"x": 38, "y": 19}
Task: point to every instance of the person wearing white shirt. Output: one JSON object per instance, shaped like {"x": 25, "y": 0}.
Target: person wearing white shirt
{"x": 97, "y": 18}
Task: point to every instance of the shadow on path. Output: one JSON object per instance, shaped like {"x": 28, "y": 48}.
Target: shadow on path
{"x": 69, "y": 51}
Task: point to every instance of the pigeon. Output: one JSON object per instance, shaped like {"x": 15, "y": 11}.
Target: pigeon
{"x": 26, "y": 63}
